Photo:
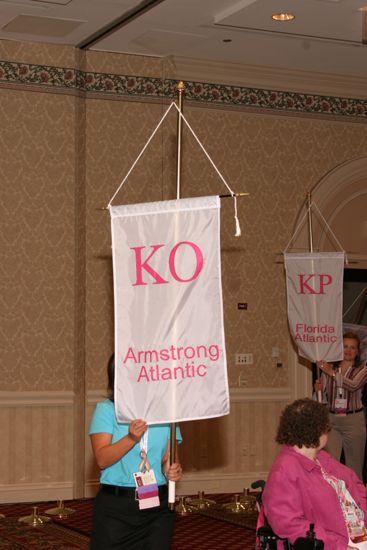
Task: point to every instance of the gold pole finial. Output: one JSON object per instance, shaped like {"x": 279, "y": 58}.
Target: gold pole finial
{"x": 180, "y": 86}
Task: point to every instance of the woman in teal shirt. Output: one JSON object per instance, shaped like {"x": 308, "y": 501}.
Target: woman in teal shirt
{"x": 122, "y": 450}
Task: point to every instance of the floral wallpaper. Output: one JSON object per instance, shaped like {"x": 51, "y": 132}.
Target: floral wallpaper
{"x": 78, "y": 81}
{"x": 67, "y": 138}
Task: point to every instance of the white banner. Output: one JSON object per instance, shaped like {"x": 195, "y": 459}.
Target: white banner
{"x": 315, "y": 303}
{"x": 170, "y": 360}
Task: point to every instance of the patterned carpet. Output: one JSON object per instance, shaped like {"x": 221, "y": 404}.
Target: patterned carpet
{"x": 14, "y": 536}
{"x": 212, "y": 529}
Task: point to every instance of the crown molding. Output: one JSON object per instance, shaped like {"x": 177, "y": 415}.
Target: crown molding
{"x": 252, "y": 76}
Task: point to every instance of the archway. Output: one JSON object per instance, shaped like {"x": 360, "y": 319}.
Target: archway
{"x": 341, "y": 197}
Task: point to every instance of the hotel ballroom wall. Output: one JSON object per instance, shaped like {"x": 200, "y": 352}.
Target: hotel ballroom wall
{"x": 72, "y": 124}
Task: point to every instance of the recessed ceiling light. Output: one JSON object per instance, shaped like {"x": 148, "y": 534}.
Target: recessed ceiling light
{"x": 283, "y": 16}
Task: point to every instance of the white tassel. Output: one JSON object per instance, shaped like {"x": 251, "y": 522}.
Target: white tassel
{"x": 238, "y": 228}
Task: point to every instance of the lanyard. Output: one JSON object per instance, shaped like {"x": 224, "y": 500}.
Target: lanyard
{"x": 144, "y": 463}
{"x": 339, "y": 383}
{"x": 144, "y": 441}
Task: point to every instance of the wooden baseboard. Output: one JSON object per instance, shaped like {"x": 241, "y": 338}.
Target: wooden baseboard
{"x": 212, "y": 483}
{"x": 36, "y": 492}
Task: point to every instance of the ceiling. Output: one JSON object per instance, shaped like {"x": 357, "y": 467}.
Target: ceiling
{"x": 325, "y": 36}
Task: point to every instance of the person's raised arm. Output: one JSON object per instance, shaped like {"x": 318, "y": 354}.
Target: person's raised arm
{"x": 326, "y": 368}
{"x": 358, "y": 381}
{"x": 107, "y": 453}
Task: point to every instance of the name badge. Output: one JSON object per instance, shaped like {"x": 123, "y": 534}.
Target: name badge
{"x": 341, "y": 406}
{"x": 356, "y": 529}
{"x": 146, "y": 489}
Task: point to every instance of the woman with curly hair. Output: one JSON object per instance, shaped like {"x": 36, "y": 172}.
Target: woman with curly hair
{"x": 306, "y": 485}
{"x": 342, "y": 384}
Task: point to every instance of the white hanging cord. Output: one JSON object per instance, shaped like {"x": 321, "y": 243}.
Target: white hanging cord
{"x": 141, "y": 153}
{"x": 203, "y": 149}
{"x": 329, "y": 228}
{"x": 238, "y": 227}
{"x": 356, "y": 300}
{"x": 296, "y": 230}
{"x": 312, "y": 204}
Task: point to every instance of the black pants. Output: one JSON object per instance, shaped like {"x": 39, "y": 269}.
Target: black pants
{"x": 118, "y": 524}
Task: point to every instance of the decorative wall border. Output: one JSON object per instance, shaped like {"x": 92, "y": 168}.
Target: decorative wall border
{"x": 76, "y": 81}
{"x": 36, "y": 399}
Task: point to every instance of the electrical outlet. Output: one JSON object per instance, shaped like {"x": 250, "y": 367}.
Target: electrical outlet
{"x": 242, "y": 381}
{"x": 244, "y": 358}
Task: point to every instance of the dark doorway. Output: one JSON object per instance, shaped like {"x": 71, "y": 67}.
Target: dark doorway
{"x": 355, "y": 296}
